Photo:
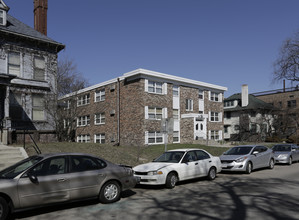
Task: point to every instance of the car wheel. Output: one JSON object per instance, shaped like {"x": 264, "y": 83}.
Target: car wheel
{"x": 110, "y": 192}
{"x": 248, "y": 168}
{"x": 212, "y": 173}
{"x": 171, "y": 180}
{"x": 271, "y": 163}
{"x": 290, "y": 161}
{"x": 3, "y": 209}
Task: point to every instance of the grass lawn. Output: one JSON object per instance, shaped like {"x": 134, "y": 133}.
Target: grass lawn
{"x": 128, "y": 155}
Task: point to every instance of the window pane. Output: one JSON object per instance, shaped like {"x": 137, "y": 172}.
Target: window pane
{"x": 38, "y": 114}
{"x": 14, "y": 58}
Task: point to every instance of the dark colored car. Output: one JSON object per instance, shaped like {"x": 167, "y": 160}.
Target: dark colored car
{"x": 55, "y": 178}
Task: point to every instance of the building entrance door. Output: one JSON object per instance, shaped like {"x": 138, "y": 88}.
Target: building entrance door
{"x": 200, "y": 129}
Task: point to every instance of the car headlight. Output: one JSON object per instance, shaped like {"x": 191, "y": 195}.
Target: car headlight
{"x": 157, "y": 172}
{"x": 241, "y": 159}
{"x": 282, "y": 156}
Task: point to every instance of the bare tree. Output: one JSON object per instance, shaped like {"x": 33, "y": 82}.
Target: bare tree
{"x": 287, "y": 65}
{"x": 63, "y": 112}
{"x": 68, "y": 78}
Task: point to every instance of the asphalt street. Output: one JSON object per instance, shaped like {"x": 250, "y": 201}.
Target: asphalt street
{"x": 264, "y": 194}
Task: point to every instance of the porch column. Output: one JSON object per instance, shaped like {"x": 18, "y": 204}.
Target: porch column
{"x": 7, "y": 119}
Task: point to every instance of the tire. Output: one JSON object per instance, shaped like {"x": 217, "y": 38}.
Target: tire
{"x": 212, "y": 173}
{"x": 271, "y": 163}
{"x": 171, "y": 180}
{"x": 110, "y": 192}
{"x": 248, "y": 168}
{"x": 4, "y": 209}
{"x": 290, "y": 161}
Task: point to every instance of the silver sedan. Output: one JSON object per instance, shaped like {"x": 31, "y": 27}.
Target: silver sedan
{"x": 286, "y": 153}
{"x": 247, "y": 158}
{"x": 57, "y": 178}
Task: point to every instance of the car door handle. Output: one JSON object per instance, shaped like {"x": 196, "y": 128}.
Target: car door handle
{"x": 100, "y": 174}
{"x": 61, "y": 180}
{"x": 210, "y": 161}
{"x": 196, "y": 163}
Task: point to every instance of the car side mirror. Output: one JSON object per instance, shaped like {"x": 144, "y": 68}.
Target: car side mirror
{"x": 33, "y": 178}
{"x": 255, "y": 152}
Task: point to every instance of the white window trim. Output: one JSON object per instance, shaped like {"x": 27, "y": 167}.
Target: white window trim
{"x": 85, "y": 137}
{"x": 161, "y": 135}
{"x": 84, "y": 119}
{"x": 82, "y": 98}
{"x": 163, "y": 87}
{"x": 102, "y": 116}
{"x": 101, "y": 136}
{"x": 102, "y": 95}
{"x": 212, "y": 114}
{"x": 179, "y": 139}
{"x": 190, "y": 105}
{"x": 164, "y": 112}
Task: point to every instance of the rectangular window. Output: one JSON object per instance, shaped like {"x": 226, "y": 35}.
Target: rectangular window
{"x": 83, "y": 120}
{"x": 176, "y": 137}
{"x": 67, "y": 104}
{"x": 1, "y": 17}
{"x": 214, "y": 96}
{"x": 155, "y": 113}
{"x": 14, "y": 63}
{"x": 292, "y": 104}
{"x": 215, "y": 135}
{"x": 189, "y": 105}
{"x": 99, "y": 138}
{"x": 100, "y": 95}
{"x": 85, "y": 138}
{"x": 83, "y": 100}
{"x": 175, "y": 90}
{"x": 155, "y": 137}
{"x": 38, "y": 107}
{"x": 155, "y": 87}
{"x": 214, "y": 116}
{"x": 99, "y": 118}
{"x": 175, "y": 114}
{"x": 39, "y": 68}
{"x": 253, "y": 128}
{"x": 200, "y": 94}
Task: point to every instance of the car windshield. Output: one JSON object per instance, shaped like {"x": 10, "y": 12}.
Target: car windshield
{"x": 170, "y": 157}
{"x": 281, "y": 148}
{"x": 14, "y": 170}
{"x": 238, "y": 151}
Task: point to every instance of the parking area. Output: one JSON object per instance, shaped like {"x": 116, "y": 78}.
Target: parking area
{"x": 264, "y": 194}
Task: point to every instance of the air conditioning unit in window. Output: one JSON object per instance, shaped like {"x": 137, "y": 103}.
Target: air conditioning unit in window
{"x": 112, "y": 112}
{"x": 112, "y": 88}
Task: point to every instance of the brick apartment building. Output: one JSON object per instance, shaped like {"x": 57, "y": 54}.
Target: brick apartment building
{"x": 131, "y": 110}
{"x": 286, "y": 101}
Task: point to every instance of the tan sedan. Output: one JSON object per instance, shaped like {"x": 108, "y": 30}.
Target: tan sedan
{"x": 54, "y": 178}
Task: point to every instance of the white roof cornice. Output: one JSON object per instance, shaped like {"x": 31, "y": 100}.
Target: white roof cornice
{"x": 148, "y": 73}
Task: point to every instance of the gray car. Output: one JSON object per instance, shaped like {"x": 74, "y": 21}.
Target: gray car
{"x": 57, "y": 178}
{"x": 247, "y": 158}
{"x": 286, "y": 153}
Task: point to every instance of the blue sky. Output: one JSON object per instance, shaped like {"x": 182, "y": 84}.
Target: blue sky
{"x": 223, "y": 42}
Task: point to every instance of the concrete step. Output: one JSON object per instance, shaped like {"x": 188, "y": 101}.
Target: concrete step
{"x": 11, "y": 155}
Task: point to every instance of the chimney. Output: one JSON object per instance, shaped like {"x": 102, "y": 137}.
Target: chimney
{"x": 40, "y": 15}
{"x": 244, "y": 95}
